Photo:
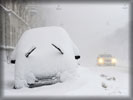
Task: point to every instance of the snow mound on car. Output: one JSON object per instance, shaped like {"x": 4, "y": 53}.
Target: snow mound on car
{"x": 45, "y": 60}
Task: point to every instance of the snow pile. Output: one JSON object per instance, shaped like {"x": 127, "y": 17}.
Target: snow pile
{"x": 98, "y": 81}
{"x": 44, "y": 52}
{"x": 91, "y": 81}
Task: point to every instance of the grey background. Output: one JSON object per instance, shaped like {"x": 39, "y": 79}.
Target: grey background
{"x": 95, "y": 28}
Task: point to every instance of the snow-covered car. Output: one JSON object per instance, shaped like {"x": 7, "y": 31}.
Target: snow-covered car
{"x": 44, "y": 55}
{"x": 106, "y": 59}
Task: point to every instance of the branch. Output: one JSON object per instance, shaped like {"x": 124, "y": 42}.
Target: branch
{"x": 16, "y": 15}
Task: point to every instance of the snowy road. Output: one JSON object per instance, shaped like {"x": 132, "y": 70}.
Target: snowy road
{"x": 90, "y": 81}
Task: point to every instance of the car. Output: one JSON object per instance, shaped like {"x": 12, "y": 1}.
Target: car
{"x": 106, "y": 60}
{"x": 44, "y": 55}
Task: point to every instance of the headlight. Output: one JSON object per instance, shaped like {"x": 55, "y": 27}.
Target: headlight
{"x": 114, "y": 60}
{"x": 100, "y": 60}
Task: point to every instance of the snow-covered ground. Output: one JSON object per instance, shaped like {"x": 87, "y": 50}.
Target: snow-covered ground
{"x": 90, "y": 81}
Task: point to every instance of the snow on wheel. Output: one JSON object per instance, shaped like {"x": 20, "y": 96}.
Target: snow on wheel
{"x": 43, "y": 53}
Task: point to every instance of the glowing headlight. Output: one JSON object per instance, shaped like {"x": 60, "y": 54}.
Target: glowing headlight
{"x": 100, "y": 60}
{"x": 114, "y": 60}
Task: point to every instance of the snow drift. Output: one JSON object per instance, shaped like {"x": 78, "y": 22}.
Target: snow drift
{"x": 43, "y": 53}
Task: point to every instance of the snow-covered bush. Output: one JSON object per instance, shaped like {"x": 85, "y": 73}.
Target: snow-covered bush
{"x": 44, "y": 52}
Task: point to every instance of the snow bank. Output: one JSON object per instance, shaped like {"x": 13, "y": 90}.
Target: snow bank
{"x": 91, "y": 81}
{"x": 44, "y": 52}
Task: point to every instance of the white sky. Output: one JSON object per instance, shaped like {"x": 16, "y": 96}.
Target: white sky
{"x": 88, "y": 23}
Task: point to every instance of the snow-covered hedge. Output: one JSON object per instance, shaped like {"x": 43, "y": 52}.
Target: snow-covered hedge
{"x": 44, "y": 52}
